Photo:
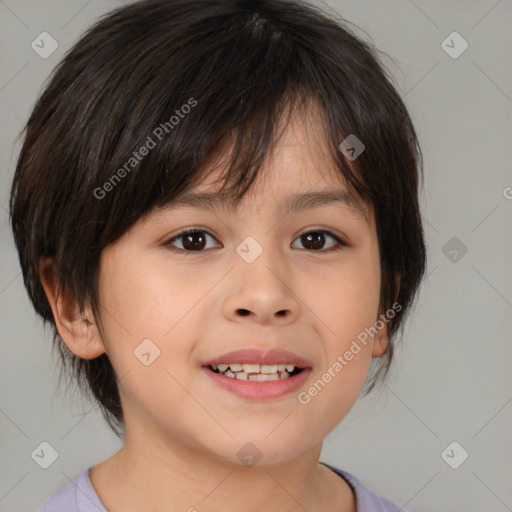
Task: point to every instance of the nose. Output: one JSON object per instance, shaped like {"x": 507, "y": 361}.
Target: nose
{"x": 261, "y": 292}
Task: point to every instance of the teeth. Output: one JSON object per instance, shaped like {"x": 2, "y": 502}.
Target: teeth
{"x": 255, "y": 372}
{"x": 261, "y": 377}
{"x": 252, "y": 368}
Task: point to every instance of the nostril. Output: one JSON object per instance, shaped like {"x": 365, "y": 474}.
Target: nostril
{"x": 243, "y": 312}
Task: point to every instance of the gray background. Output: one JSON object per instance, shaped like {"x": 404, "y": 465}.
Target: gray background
{"x": 451, "y": 379}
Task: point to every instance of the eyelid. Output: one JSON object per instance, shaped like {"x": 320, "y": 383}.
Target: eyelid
{"x": 331, "y": 232}
{"x": 185, "y": 231}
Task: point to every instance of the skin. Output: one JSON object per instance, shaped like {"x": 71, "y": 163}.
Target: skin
{"x": 182, "y": 431}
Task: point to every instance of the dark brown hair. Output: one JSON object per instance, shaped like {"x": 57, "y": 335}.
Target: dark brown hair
{"x": 202, "y": 72}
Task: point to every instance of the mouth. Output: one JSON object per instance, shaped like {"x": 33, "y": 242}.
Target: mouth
{"x": 257, "y": 374}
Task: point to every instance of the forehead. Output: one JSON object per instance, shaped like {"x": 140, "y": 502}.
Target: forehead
{"x": 297, "y": 174}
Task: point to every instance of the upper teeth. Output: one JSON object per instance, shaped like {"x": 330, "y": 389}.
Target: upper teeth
{"x": 255, "y": 368}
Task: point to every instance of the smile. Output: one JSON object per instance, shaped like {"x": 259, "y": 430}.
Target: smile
{"x": 258, "y": 374}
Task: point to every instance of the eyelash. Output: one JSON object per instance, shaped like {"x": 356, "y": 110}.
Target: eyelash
{"x": 340, "y": 244}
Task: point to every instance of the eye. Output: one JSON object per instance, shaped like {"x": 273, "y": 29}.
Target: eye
{"x": 195, "y": 240}
{"x": 192, "y": 240}
{"x": 315, "y": 239}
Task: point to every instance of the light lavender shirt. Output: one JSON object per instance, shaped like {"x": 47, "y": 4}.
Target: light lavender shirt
{"x": 80, "y": 496}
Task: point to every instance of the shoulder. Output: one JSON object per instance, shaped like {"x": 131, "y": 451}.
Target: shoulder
{"x": 76, "y": 496}
{"x": 366, "y": 500}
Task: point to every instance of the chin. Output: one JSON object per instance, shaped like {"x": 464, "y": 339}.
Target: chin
{"x": 247, "y": 452}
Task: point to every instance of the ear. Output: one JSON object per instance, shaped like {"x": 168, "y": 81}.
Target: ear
{"x": 380, "y": 342}
{"x": 78, "y": 331}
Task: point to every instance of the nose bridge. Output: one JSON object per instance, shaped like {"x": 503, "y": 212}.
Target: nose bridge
{"x": 259, "y": 288}
{"x": 258, "y": 263}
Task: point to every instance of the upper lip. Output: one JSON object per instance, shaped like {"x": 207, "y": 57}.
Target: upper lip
{"x": 255, "y": 356}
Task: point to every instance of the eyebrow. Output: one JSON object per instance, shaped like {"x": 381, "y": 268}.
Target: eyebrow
{"x": 294, "y": 203}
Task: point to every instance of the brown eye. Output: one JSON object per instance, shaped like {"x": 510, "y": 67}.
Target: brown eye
{"x": 192, "y": 240}
{"x": 315, "y": 240}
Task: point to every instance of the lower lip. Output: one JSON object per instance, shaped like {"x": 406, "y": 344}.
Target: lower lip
{"x": 259, "y": 390}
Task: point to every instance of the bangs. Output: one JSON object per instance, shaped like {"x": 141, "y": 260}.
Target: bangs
{"x": 237, "y": 90}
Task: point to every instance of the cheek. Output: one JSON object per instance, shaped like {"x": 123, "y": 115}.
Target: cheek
{"x": 145, "y": 301}
{"x": 148, "y": 315}
{"x": 146, "y": 297}
{"x": 346, "y": 300}
{"x": 345, "y": 297}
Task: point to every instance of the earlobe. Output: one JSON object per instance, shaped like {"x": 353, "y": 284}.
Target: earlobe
{"x": 381, "y": 339}
{"x": 380, "y": 343}
{"x": 78, "y": 331}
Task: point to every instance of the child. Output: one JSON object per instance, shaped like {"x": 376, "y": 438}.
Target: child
{"x": 267, "y": 136}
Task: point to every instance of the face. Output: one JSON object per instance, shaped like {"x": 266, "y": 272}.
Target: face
{"x": 263, "y": 277}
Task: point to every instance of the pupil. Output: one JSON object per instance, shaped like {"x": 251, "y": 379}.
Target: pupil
{"x": 190, "y": 238}
{"x": 315, "y": 244}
